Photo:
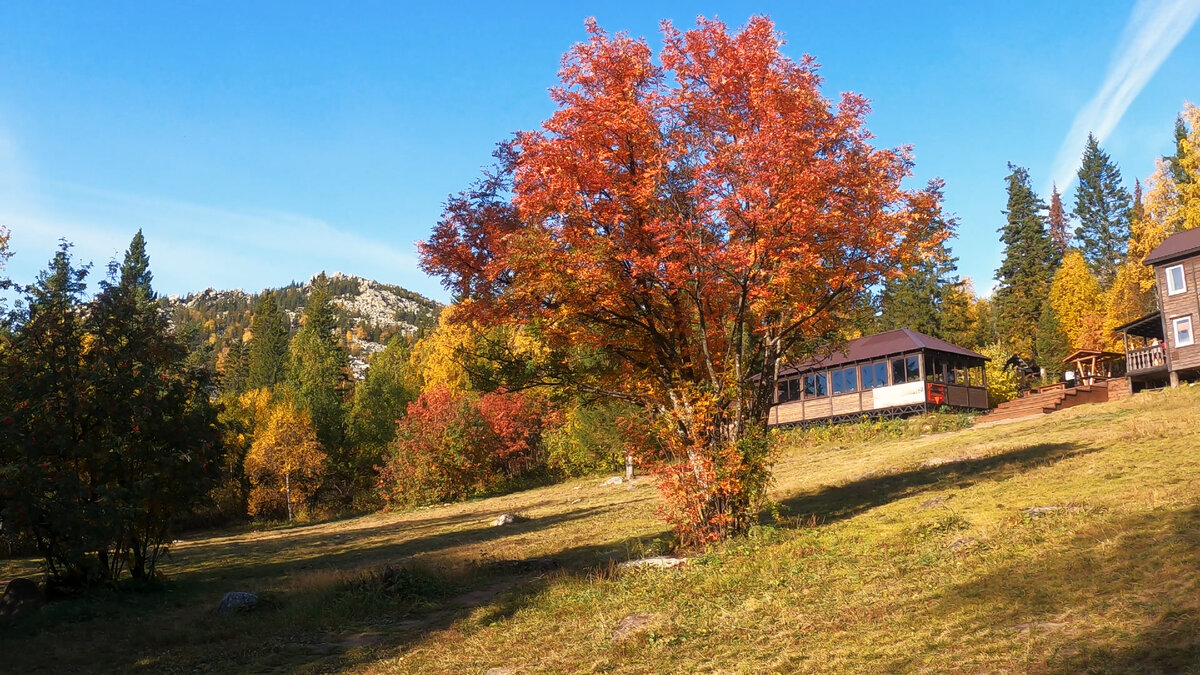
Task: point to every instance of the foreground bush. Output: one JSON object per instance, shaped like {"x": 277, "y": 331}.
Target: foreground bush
{"x": 455, "y": 445}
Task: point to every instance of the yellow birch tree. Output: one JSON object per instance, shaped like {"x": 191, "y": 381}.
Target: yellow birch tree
{"x": 1076, "y": 298}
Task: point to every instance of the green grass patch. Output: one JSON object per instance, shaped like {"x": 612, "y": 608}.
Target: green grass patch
{"x": 1065, "y": 544}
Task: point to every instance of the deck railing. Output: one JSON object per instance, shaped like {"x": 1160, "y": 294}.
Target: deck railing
{"x": 1146, "y": 358}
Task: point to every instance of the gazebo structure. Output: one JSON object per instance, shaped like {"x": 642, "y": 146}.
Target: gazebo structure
{"x": 1093, "y": 365}
{"x": 900, "y": 372}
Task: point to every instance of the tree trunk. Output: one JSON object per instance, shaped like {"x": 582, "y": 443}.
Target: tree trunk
{"x": 287, "y": 492}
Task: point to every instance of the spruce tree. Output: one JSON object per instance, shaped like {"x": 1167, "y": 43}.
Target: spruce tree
{"x": 1051, "y": 342}
{"x": 316, "y": 368}
{"x": 379, "y": 400}
{"x": 268, "y": 344}
{"x": 920, "y": 299}
{"x": 1102, "y": 206}
{"x": 1176, "y": 162}
{"x": 1027, "y": 269}
{"x": 159, "y": 425}
{"x": 1059, "y": 220}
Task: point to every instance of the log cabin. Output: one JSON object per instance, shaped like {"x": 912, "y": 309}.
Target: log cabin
{"x": 1161, "y": 348}
{"x": 893, "y": 374}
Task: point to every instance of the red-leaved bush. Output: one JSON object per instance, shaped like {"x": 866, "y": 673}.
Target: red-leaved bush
{"x": 455, "y": 445}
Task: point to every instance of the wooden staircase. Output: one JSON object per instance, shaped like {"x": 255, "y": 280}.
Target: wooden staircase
{"x": 1047, "y": 402}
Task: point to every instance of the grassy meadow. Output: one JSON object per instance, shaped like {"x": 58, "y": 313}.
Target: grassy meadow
{"x": 1064, "y": 544}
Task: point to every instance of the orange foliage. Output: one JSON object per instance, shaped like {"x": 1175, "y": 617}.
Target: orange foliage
{"x": 694, "y": 221}
{"x": 453, "y": 444}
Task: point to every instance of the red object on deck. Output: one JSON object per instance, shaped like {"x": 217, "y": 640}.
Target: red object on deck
{"x": 935, "y": 393}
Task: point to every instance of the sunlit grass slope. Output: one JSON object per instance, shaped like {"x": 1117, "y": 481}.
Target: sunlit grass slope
{"x": 1069, "y": 543}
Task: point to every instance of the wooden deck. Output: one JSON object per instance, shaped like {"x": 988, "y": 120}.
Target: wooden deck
{"x": 1048, "y": 401}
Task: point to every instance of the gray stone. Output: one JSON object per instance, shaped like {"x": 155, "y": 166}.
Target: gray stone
{"x": 660, "y": 562}
{"x": 19, "y": 596}
{"x": 500, "y": 670}
{"x": 237, "y": 601}
{"x": 963, "y": 544}
{"x": 505, "y": 519}
{"x": 632, "y": 625}
{"x": 1039, "y": 511}
{"x": 615, "y": 480}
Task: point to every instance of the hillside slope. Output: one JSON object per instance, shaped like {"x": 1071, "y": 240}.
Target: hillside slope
{"x": 368, "y": 313}
{"x": 1065, "y": 544}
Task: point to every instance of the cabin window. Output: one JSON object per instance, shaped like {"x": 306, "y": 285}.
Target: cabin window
{"x": 956, "y": 373}
{"x": 975, "y": 376}
{"x": 912, "y": 367}
{"x": 1175, "y": 280}
{"x": 1183, "y": 331}
{"x": 906, "y": 370}
{"x": 789, "y": 390}
{"x": 933, "y": 369}
{"x": 815, "y": 385}
{"x": 845, "y": 380}
{"x": 874, "y": 375}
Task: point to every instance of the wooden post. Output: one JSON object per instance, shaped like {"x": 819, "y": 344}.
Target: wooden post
{"x": 628, "y": 467}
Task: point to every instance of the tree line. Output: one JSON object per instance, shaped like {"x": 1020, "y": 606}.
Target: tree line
{"x": 628, "y": 279}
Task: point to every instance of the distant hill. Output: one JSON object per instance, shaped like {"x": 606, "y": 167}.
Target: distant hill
{"x": 369, "y": 313}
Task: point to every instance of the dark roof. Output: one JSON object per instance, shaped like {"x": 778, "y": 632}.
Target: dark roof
{"x": 1149, "y": 326}
{"x": 879, "y": 345}
{"x": 1089, "y": 353}
{"x": 1178, "y": 245}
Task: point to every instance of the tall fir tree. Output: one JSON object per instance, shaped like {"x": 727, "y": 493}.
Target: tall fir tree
{"x": 316, "y": 369}
{"x": 379, "y": 400}
{"x": 928, "y": 298}
{"x": 1102, "y": 206}
{"x": 1176, "y": 163}
{"x": 268, "y": 344}
{"x": 1051, "y": 342}
{"x": 1027, "y": 269}
{"x": 1059, "y": 222}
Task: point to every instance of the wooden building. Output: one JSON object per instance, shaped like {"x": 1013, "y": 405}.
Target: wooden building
{"x": 900, "y": 372}
{"x": 1161, "y": 348}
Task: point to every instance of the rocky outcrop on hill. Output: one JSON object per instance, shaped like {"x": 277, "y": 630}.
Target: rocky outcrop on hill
{"x": 369, "y": 313}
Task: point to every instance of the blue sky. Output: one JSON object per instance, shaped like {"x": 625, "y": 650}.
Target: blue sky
{"x": 256, "y": 143}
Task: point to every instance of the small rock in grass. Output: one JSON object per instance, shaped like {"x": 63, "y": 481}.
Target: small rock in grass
{"x": 934, "y": 501}
{"x": 631, "y": 625}
{"x": 1039, "y": 511}
{"x": 505, "y": 519}
{"x": 660, "y": 562}
{"x": 963, "y": 544}
{"x": 615, "y": 480}
{"x": 20, "y": 595}
{"x": 500, "y": 670}
{"x": 237, "y": 601}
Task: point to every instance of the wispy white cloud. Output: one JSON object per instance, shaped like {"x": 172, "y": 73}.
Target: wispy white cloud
{"x": 1154, "y": 29}
{"x": 192, "y": 246}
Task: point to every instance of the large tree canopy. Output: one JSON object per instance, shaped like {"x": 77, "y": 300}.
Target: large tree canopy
{"x": 695, "y": 220}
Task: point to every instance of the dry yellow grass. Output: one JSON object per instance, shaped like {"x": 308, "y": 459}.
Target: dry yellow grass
{"x": 912, "y": 555}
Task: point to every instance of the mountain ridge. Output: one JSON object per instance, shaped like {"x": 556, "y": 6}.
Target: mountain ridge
{"x": 368, "y": 314}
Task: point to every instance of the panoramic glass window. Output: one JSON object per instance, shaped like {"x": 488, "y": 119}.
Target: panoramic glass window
{"x": 815, "y": 385}
{"x": 912, "y": 367}
{"x": 933, "y": 368}
{"x": 874, "y": 375}
{"x": 845, "y": 380}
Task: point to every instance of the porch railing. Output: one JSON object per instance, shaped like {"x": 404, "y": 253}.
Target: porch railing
{"x": 1146, "y": 358}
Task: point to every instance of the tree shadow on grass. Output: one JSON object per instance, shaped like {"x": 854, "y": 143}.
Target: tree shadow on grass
{"x": 239, "y": 560}
{"x": 830, "y": 504}
{"x": 173, "y": 624}
{"x": 1120, "y": 595}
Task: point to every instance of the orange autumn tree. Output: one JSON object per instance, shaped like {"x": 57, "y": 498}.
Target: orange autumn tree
{"x": 694, "y": 220}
